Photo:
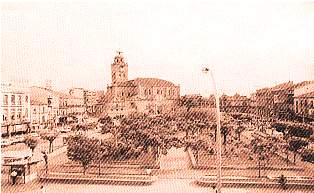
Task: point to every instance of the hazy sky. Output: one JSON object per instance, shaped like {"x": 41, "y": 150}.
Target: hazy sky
{"x": 248, "y": 46}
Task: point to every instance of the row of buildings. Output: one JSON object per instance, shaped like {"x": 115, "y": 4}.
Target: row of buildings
{"x": 151, "y": 95}
{"x": 288, "y": 100}
{"x": 33, "y": 107}
{"x": 27, "y": 108}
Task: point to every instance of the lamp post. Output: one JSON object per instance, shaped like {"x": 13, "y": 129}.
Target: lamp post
{"x": 218, "y": 136}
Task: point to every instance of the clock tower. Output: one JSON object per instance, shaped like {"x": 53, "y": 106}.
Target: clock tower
{"x": 119, "y": 69}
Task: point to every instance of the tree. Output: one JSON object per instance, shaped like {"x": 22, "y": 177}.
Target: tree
{"x": 50, "y": 137}
{"x": 263, "y": 151}
{"x": 103, "y": 150}
{"x": 31, "y": 142}
{"x": 280, "y": 127}
{"x": 308, "y": 155}
{"x": 106, "y": 120}
{"x": 299, "y": 130}
{"x": 186, "y": 102}
{"x": 295, "y": 145}
{"x": 82, "y": 149}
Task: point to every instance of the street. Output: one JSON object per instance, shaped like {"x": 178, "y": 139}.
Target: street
{"x": 160, "y": 186}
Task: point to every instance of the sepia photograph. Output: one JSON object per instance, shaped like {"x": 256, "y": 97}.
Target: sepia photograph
{"x": 158, "y": 96}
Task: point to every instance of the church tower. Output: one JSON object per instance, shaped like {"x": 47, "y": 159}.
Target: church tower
{"x": 119, "y": 69}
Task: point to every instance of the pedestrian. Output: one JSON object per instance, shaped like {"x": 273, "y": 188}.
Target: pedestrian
{"x": 13, "y": 176}
{"x": 46, "y": 161}
{"x": 43, "y": 190}
{"x": 215, "y": 189}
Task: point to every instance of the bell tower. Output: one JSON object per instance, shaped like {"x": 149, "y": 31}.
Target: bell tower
{"x": 119, "y": 69}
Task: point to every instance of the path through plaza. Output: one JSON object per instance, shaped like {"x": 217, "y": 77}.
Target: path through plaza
{"x": 175, "y": 165}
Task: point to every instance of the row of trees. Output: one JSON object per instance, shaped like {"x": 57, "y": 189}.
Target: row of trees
{"x": 296, "y": 136}
{"x": 32, "y": 141}
{"x": 163, "y": 132}
{"x": 294, "y": 129}
{"x": 87, "y": 150}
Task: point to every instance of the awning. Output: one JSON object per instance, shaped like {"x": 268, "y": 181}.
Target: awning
{"x": 16, "y": 154}
{"x": 22, "y": 163}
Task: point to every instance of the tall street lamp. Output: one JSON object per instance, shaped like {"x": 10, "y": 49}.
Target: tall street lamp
{"x": 218, "y": 136}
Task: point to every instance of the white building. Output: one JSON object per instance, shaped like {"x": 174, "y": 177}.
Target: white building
{"x": 15, "y": 108}
{"x": 44, "y": 106}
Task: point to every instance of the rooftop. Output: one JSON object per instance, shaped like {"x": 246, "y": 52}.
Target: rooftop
{"x": 307, "y": 95}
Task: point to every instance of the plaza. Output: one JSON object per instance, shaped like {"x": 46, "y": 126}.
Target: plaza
{"x": 176, "y": 96}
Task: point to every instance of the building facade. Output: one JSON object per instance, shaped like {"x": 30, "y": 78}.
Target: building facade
{"x": 280, "y": 101}
{"x": 304, "y": 100}
{"x": 262, "y": 103}
{"x": 145, "y": 95}
{"x": 91, "y": 101}
{"x": 15, "y": 109}
{"x": 283, "y": 100}
{"x": 44, "y": 107}
{"x": 71, "y": 104}
{"x": 235, "y": 104}
{"x": 197, "y": 101}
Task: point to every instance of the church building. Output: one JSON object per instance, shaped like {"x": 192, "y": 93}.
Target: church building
{"x": 144, "y": 95}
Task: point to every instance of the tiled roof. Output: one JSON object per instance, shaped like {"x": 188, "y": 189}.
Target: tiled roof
{"x": 125, "y": 84}
{"x": 64, "y": 95}
{"x": 307, "y": 95}
{"x": 283, "y": 86}
{"x": 304, "y": 83}
{"x": 152, "y": 82}
{"x": 147, "y": 82}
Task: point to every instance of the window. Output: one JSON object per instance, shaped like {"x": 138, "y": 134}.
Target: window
{"x": 122, "y": 94}
{"x": 13, "y": 100}
{"x": 149, "y": 91}
{"x": 157, "y": 91}
{"x": 20, "y": 100}
{"x": 26, "y": 99}
{"x": 49, "y": 102}
{"x": 5, "y": 100}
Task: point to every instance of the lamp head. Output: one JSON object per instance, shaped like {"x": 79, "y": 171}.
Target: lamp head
{"x": 205, "y": 70}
